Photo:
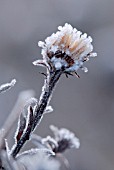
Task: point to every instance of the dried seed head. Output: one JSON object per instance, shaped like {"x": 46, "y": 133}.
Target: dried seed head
{"x": 67, "y": 48}
{"x": 65, "y": 139}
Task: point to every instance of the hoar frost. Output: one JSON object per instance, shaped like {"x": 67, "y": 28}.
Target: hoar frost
{"x": 66, "y": 49}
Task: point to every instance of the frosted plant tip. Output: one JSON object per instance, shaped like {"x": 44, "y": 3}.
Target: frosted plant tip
{"x": 67, "y": 49}
{"x": 13, "y": 82}
{"x": 7, "y": 86}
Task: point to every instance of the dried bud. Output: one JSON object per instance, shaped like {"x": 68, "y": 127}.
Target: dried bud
{"x": 65, "y": 139}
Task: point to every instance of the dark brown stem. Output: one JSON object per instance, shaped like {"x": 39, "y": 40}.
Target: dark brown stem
{"x": 47, "y": 90}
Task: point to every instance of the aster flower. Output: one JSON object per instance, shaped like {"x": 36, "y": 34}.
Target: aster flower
{"x": 67, "y": 49}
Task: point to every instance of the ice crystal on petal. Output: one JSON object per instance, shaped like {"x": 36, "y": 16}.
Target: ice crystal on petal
{"x": 68, "y": 45}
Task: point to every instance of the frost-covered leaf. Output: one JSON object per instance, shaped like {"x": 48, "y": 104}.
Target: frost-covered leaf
{"x": 20, "y": 128}
{"x": 42, "y": 63}
{"x": 24, "y": 125}
{"x": 29, "y": 123}
{"x": 33, "y": 102}
{"x": 7, "y": 86}
{"x": 26, "y": 118}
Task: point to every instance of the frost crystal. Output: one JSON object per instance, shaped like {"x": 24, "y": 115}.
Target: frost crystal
{"x": 68, "y": 48}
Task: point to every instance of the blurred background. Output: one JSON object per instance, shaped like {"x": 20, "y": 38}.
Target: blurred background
{"x": 85, "y": 105}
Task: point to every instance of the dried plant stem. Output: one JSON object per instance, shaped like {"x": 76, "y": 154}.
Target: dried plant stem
{"x": 47, "y": 90}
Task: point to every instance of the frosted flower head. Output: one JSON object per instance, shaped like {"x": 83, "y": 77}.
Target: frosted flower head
{"x": 65, "y": 139}
{"x": 66, "y": 49}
